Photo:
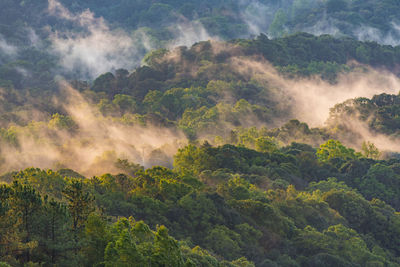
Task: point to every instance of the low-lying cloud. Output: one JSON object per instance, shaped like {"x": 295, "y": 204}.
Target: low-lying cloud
{"x": 257, "y": 15}
{"x": 94, "y": 48}
{"x": 7, "y": 48}
{"x": 367, "y": 33}
{"x": 189, "y": 32}
{"x": 93, "y": 147}
{"x": 311, "y": 98}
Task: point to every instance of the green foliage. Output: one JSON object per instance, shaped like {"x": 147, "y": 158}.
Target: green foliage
{"x": 369, "y": 150}
{"x": 224, "y": 242}
{"x": 79, "y": 206}
{"x": 62, "y": 122}
{"x": 253, "y": 200}
{"x": 380, "y": 182}
{"x": 277, "y": 27}
{"x": 380, "y": 114}
{"x": 152, "y": 58}
{"x": 328, "y": 185}
{"x": 225, "y": 199}
{"x": 125, "y": 103}
{"x": 337, "y": 240}
{"x": 333, "y": 149}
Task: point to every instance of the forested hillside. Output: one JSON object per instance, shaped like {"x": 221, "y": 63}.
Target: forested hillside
{"x": 226, "y": 19}
{"x": 42, "y": 38}
{"x": 199, "y": 133}
{"x": 279, "y": 194}
{"x": 224, "y": 206}
{"x": 191, "y": 94}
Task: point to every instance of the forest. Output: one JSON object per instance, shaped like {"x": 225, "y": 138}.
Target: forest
{"x": 219, "y": 206}
{"x": 232, "y": 194}
{"x": 227, "y": 19}
{"x": 199, "y": 133}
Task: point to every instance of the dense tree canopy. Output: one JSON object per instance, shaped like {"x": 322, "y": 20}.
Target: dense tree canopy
{"x": 199, "y": 156}
{"x": 227, "y": 203}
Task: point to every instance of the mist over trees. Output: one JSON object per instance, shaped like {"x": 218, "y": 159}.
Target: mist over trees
{"x": 199, "y": 133}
